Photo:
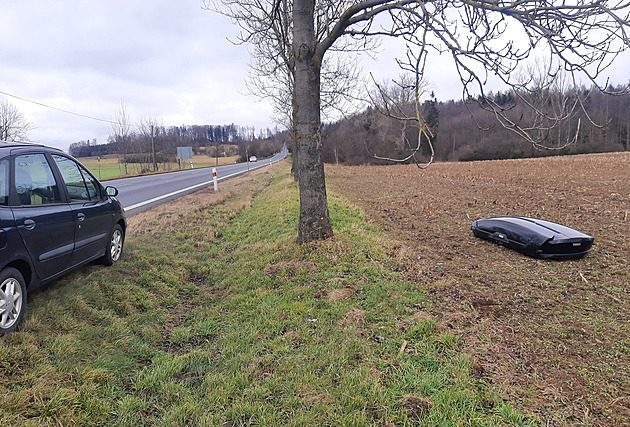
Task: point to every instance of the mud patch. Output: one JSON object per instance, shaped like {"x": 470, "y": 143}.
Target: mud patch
{"x": 318, "y": 399}
{"x": 289, "y": 269}
{"x": 291, "y": 336}
{"x": 416, "y": 407}
{"x": 341, "y": 293}
{"x": 353, "y": 317}
{"x": 488, "y": 307}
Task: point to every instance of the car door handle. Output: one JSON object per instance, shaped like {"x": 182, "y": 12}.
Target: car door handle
{"x": 29, "y": 224}
{"x": 80, "y": 216}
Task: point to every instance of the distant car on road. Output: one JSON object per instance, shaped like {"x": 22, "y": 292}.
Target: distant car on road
{"x": 253, "y": 159}
{"x": 54, "y": 217}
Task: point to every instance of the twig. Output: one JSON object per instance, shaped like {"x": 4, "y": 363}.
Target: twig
{"x": 583, "y": 278}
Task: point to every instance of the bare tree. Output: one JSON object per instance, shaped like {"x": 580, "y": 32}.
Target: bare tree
{"x": 148, "y": 127}
{"x": 398, "y": 105}
{"x": 13, "y": 125}
{"x": 121, "y": 129}
{"x": 267, "y": 27}
{"x": 544, "y": 100}
{"x": 483, "y": 38}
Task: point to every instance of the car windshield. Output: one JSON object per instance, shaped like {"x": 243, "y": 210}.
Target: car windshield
{"x": 4, "y": 182}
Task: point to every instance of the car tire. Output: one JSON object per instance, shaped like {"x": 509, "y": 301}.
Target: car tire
{"x": 114, "y": 248}
{"x": 12, "y": 299}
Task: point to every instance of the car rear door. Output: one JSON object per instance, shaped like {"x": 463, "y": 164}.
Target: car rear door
{"x": 43, "y": 219}
{"x": 91, "y": 208}
{"x": 11, "y": 246}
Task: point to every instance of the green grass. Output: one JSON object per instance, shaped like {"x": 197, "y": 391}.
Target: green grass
{"x": 108, "y": 167}
{"x": 226, "y": 321}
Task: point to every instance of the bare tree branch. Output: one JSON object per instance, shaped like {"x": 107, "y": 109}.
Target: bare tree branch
{"x": 484, "y": 39}
{"x": 13, "y": 124}
{"x": 121, "y": 128}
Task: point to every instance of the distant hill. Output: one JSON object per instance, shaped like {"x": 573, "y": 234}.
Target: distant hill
{"x": 465, "y": 131}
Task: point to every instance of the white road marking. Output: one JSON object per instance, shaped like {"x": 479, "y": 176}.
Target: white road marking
{"x": 156, "y": 199}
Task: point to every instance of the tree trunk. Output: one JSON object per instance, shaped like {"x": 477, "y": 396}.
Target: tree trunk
{"x": 294, "y": 158}
{"x": 314, "y": 221}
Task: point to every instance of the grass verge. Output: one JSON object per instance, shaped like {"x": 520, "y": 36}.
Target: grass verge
{"x": 215, "y": 317}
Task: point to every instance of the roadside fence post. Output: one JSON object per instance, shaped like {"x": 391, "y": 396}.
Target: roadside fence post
{"x": 214, "y": 179}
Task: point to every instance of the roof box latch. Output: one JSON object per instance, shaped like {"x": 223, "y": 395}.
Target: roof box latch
{"x": 499, "y": 237}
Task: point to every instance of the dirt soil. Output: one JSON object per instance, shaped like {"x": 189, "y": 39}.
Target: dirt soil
{"x": 553, "y": 337}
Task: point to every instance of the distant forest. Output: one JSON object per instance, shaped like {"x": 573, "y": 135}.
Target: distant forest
{"x": 464, "y": 131}
{"x": 213, "y": 140}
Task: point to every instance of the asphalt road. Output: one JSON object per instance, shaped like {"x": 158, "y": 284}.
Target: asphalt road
{"x": 140, "y": 193}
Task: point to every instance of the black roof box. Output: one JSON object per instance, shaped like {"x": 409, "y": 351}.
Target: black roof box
{"x": 534, "y": 237}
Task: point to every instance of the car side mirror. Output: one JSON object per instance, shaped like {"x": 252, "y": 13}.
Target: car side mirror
{"x": 111, "y": 191}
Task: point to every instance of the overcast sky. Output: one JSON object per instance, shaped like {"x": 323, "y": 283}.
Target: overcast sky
{"x": 164, "y": 58}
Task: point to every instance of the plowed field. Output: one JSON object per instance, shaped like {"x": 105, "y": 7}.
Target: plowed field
{"x": 553, "y": 337}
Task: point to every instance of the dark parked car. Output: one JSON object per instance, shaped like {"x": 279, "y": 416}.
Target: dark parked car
{"x": 54, "y": 216}
{"x": 534, "y": 237}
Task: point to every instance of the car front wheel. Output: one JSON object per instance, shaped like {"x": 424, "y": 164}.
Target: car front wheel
{"x": 114, "y": 246}
{"x": 12, "y": 299}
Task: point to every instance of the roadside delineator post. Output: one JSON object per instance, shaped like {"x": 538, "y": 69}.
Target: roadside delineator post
{"x": 214, "y": 179}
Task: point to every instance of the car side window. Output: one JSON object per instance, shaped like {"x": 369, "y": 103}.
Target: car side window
{"x": 81, "y": 186}
{"x": 34, "y": 181}
{"x": 4, "y": 182}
